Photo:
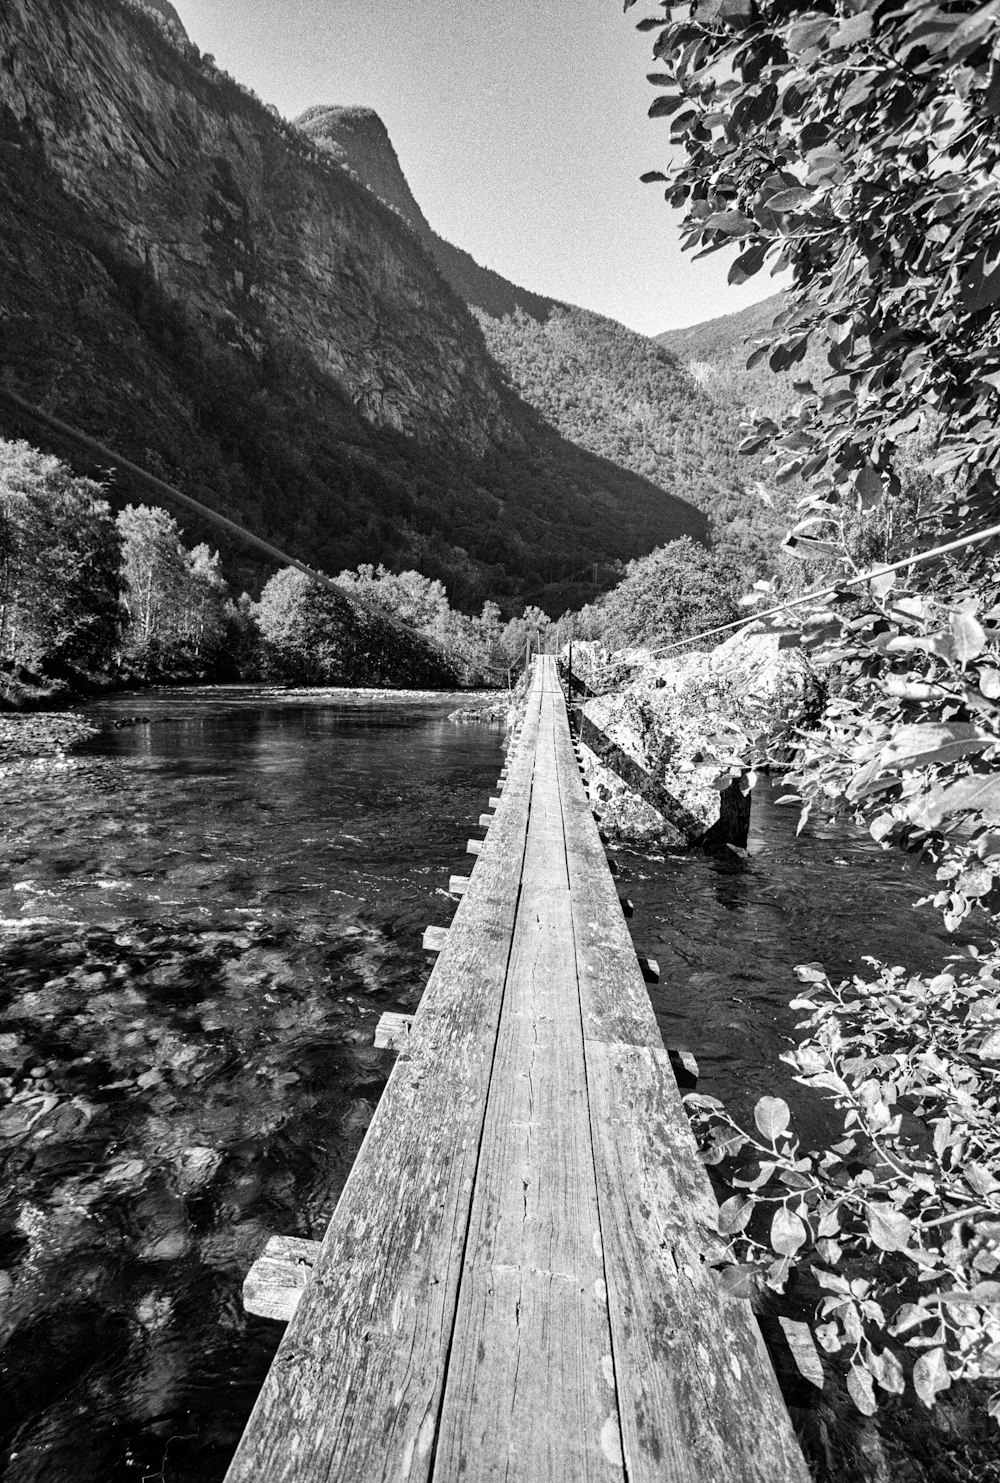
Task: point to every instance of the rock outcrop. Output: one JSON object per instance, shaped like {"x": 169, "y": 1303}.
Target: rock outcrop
{"x": 358, "y": 139}
{"x": 647, "y": 730}
{"x": 185, "y": 175}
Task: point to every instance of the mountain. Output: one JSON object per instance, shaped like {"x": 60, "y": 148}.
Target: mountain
{"x": 606, "y": 389}
{"x": 715, "y": 353}
{"x": 166, "y": 10}
{"x": 205, "y": 288}
{"x": 626, "y": 398}
{"x": 359, "y": 141}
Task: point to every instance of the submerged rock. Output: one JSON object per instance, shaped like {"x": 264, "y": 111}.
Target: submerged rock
{"x": 647, "y": 722}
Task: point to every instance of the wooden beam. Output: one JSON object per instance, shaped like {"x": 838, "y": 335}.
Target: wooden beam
{"x": 276, "y": 1281}
{"x": 494, "y": 803}
{"x": 458, "y": 885}
{"x": 435, "y": 939}
{"x": 393, "y": 1031}
{"x": 485, "y": 820}
{"x": 474, "y": 847}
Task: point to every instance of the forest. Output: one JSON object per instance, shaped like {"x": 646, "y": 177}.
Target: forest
{"x": 90, "y": 599}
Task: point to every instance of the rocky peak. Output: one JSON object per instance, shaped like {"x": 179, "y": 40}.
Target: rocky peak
{"x": 359, "y": 141}
{"x": 166, "y": 10}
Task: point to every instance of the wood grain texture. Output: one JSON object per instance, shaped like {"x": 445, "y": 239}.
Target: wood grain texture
{"x": 355, "y": 1389}
{"x": 276, "y": 1281}
{"x": 393, "y": 1031}
{"x": 531, "y": 1391}
{"x": 698, "y": 1396}
{"x": 517, "y": 1283}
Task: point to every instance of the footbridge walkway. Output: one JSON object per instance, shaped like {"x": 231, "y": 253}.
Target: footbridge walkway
{"x": 517, "y": 1281}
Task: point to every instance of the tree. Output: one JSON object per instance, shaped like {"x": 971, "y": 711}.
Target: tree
{"x": 59, "y": 555}
{"x": 306, "y": 630}
{"x": 175, "y": 599}
{"x": 675, "y": 592}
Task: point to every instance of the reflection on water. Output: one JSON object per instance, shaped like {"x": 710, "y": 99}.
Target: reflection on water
{"x": 202, "y": 921}
{"x": 727, "y": 940}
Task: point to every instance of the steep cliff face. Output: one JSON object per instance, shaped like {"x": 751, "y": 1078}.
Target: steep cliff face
{"x": 190, "y": 178}
{"x": 358, "y": 139}
{"x": 198, "y": 285}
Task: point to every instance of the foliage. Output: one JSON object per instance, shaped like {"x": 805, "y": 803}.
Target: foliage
{"x": 673, "y": 593}
{"x": 311, "y": 635}
{"x": 616, "y": 394}
{"x": 898, "y": 1232}
{"x": 59, "y": 556}
{"x": 175, "y": 600}
{"x": 854, "y": 146}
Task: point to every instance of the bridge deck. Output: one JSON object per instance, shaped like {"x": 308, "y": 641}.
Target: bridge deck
{"x": 514, "y": 1283}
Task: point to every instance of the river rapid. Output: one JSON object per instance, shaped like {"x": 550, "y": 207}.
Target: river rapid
{"x": 203, "y": 916}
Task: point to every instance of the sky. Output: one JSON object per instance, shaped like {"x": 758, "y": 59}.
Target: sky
{"x": 521, "y": 126}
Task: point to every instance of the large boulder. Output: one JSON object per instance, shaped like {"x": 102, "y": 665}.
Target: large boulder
{"x": 649, "y": 720}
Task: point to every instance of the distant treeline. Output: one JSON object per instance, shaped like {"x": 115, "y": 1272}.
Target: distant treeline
{"x": 87, "y": 596}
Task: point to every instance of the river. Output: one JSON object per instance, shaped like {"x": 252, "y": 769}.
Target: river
{"x": 203, "y": 917}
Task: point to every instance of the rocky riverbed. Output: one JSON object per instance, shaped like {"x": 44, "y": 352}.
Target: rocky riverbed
{"x": 39, "y": 741}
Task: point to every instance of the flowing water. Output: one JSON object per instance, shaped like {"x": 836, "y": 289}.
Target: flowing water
{"x": 202, "y": 919}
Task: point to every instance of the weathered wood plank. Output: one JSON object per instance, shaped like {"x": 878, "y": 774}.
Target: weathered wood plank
{"x": 698, "y": 1397}
{"x": 458, "y": 885}
{"x": 393, "y": 1031}
{"x": 530, "y": 1391}
{"x": 276, "y": 1281}
{"x": 435, "y": 939}
{"x": 355, "y": 1390}
{"x": 699, "y": 1400}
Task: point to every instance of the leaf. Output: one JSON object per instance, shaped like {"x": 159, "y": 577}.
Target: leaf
{"x": 788, "y": 1232}
{"x": 734, "y": 1214}
{"x": 933, "y": 741}
{"x": 989, "y": 1049}
{"x": 861, "y": 1390}
{"x": 930, "y": 1376}
{"x": 789, "y": 200}
{"x": 749, "y": 263}
{"x": 652, "y": 175}
{"x": 979, "y": 792}
{"x": 772, "y": 1116}
{"x": 989, "y": 683}
{"x": 737, "y": 1282}
{"x": 732, "y": 222}
{"x": 980, "y": 286}
{"x": 850, "y": 32}
{"x": 868, "y": 487}
{"x": 968, "y": 636}
{"x": 887, "y": 1371}
{"x": 809, "y": 973}
{"x": 803, "y": 1350}
{"x": 888, "y": 1228}
{"x": 666, "y": 104}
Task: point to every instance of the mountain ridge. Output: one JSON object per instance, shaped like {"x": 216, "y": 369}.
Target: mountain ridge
{"x": 193, "y": 281}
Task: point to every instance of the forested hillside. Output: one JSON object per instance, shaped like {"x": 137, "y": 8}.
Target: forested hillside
{"x": 619, "y": 395}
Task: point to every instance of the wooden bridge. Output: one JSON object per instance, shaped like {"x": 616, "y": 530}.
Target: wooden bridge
{"x": 516, "y": 1283}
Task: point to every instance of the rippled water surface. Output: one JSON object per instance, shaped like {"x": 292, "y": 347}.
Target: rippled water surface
{"x": 202, "y": 920}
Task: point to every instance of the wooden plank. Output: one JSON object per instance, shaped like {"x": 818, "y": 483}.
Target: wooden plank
{"x": 698, "y": 1396}
{"x": 485, "y": 820}
{"x": 276, "y": 1281}
{"x": 530, "y": 1391}
{"x": 355, "y": 1389}
{"x": 435, "y": 939}
{"x": 458, "y": 885}
{"x": 393, "y": 1031}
